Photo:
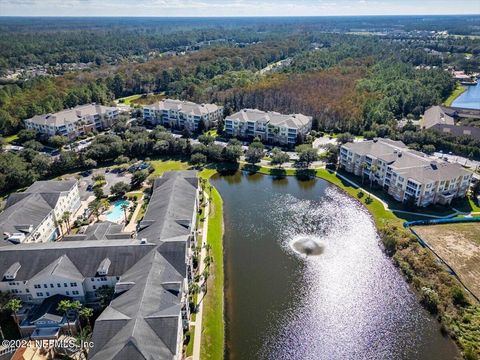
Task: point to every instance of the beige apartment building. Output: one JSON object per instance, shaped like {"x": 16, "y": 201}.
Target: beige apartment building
{"x": 179, "y": 114}
{"x": 74, "y": 122}
{"x": 404, "y": 173}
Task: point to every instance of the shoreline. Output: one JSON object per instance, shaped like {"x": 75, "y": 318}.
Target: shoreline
{"x": 406, "y": 253}
{"x": 456, "y": 93}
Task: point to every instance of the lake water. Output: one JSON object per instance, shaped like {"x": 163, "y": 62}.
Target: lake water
{"x": 470, "y": 98}
{"x": 349, "y": 302}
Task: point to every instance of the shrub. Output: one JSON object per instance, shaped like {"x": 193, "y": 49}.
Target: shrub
{"x": 458, "y": 296}
{"x": 430, "y": 299}
{"x": 360, "y": 194}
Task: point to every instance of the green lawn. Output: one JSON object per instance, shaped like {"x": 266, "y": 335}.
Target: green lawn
{"x": 189, "y": 349}
{"x": 212, "y": 132}
{"x": 459, "y": 89}
{"x": 213, "y": 333}
{"x": 160, "y": 166}
{"x": 128, "y": 99}
{"x": 11, "y": 138}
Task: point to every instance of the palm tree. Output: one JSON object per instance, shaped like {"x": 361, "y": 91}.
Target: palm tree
{"x": 86, "y": 313}
{"x": 95, "y": 207}
{"x": 124, "y": 208}
{"x": 83, "y": 337}
{"x": 373, "y": 171}
{"x": 66, "y": 219}
{"x": 60, "y": 226}
{"x": 66, "y": 306}
{"x": 14, "y": 305}
{"x": 194, "y": 288}
{"x": 363, "y": 166}
{"x": 104, "y": 204}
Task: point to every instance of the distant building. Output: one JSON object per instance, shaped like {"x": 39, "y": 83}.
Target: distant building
{"x": 32, "y": 215}
{"x": 269, "y": 126}
{"x": 403, "y": 173}
{"x": 447, "y": 120}
{"x": 74, "y": 122}
{"x": 179, "y": 114}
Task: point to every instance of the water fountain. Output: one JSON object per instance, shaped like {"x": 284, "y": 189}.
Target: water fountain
{"x": 307, "y": 246}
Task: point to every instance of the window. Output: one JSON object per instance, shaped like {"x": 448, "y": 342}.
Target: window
{"x": 45, "y": 286}
{"x": 59, "y": 285}
{"x": 39, "y": 294}
{"x": 67, "y": 292}
{"x": 27, "y": 290}
{"x": 73, "y": 284}
{"x": 51, "y": 285}
{"x": 75, "y": 292}
{"x": 47, "y": 293}
{"x": 36, "y": 286}
{"x": 65, "y": 284}
{"x": 94, "y": 287}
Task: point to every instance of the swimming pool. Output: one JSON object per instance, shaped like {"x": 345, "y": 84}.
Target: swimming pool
{"x": 117, "y": 214}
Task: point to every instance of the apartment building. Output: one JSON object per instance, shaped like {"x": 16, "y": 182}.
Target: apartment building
{"x": 404, "y": 173}
{"x": 179, "y": 114}
{"x": 32, "y": 216}
{"x": 269, "y": 126}
{"x": 75, "y": 121}
{"x": 149, "y": 271}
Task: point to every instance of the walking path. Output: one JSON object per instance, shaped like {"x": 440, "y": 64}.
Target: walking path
{"x": 197, "y": 339}
{"x": 385, "y": 205}
{"x": 132, "y": 225}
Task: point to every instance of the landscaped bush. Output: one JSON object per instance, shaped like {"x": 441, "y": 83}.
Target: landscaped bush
{"x": 430, "y": 300}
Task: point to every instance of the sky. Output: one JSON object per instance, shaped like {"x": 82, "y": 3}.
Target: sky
{"x": 171, "y": 8}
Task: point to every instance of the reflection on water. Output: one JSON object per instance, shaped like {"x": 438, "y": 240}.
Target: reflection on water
{"x": 350, "y": 302}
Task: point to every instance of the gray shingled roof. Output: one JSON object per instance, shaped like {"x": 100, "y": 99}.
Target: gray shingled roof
{"x": 85, "y": 256}
{"x": 142, "y": 323}
{"x": 186, "y": 107}
{"x": 70, "y": 115}
{"x": 171, "y": 205}
{"x": 271, "y": 117}
{"x": 32, "y": 206}
{"x": 408, "y": 163}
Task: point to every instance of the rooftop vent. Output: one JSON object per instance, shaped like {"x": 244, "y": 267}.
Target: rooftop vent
{"x": 143, "y": 241}
{"x": 103, "y": 267}
{"x": 11, "y": 272}
{"x": 434, "y": 165}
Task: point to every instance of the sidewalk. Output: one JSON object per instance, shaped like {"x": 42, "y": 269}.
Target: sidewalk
{"x": 132, "y": 225}
{"x": 197, "y": 340}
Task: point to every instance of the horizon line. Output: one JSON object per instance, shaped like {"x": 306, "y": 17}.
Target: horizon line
{"x": 229, "y": 16}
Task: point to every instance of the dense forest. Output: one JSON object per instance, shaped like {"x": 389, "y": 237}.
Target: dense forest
{"x": 346, "y": 79}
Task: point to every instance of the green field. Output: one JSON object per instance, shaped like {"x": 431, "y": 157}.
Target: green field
{"x": 213, "y": 332}
{"x": 129, "y": 99}
{"x": 160, "y": 166}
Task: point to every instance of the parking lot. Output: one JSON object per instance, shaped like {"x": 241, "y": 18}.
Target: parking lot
{"x": 110, "y": 178}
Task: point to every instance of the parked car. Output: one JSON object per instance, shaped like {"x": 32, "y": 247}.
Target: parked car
{"x": 90, "y": 187}
{"x": 86, "y": 173}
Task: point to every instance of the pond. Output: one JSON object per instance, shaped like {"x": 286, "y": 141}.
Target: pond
{"x": 344, "y": 300}
{"x": 470, "y": 98}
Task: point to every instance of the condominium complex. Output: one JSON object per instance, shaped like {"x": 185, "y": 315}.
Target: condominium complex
{"x": 74, "y": 122}
{"x": 179, "y": 114}
{"x": 32, "y": 216}
{"x": 405, "y": 174}
{"x": 149, "y": 272}
{"x": 269, "y": 126}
